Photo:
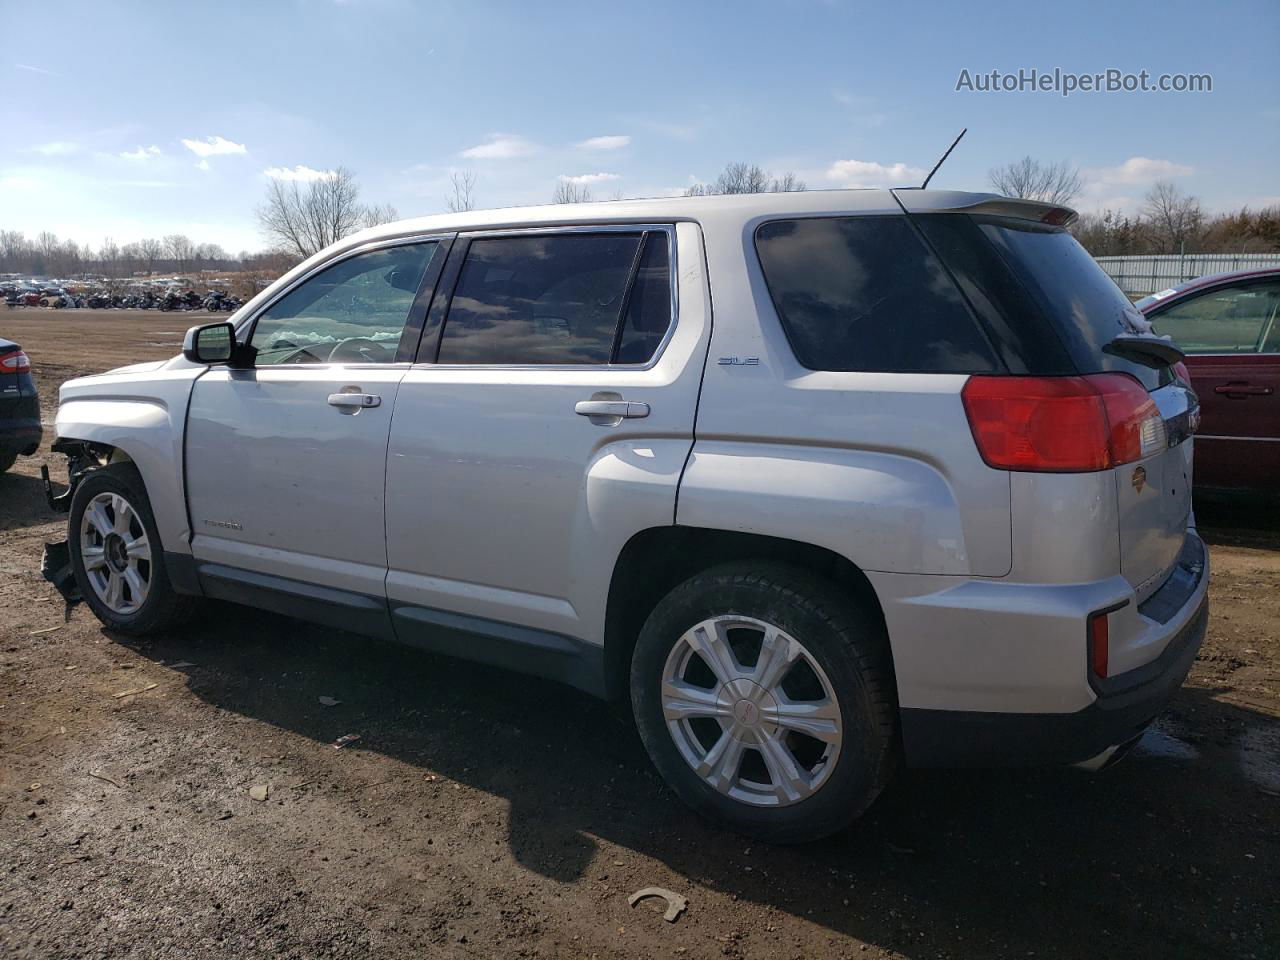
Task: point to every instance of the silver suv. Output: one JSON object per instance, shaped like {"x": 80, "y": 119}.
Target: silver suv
{"x": 818, "y": 483}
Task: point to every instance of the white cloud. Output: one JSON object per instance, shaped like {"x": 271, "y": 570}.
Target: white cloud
{"x": 604, "y": 143}
{"x": 500, "y": 146}
{"x": 57, "y": 148}
{"x": 586, "y": 179}
{"x": 1139, "y": 170}
{"x": 203, "y": 165}
{"x": 300, "y": 173}
{"x": 142, "y": 153}
{"x": 28, "y": 67}
{"x": 214, "y": 146}
{"x": 868, "y": 173}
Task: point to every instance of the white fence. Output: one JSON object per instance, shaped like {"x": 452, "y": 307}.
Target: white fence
{"x": 1141, "y": 275}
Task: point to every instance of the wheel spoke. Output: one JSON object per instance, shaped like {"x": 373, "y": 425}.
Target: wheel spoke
{"x": 778, "y": 654}
{"x": 97, "y": 517}
{"x": 124, "y": 515}
{"x": 789, "y": 780}
{"x": 93, "y": 557}
{"x": 819, "y": 719}
{"x": 114, "y": 596}
{"x": 720, "y": 766}
{"x": 712, "y": 647}
{"x": 139, "y": 548}
{"x": 681, "y": 700}
{"x": 137, "y": 586}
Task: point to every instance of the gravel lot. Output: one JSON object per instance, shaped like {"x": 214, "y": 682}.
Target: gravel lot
{"x": 483, "y": 814}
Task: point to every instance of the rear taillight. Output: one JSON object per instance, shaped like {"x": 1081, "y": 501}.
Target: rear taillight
{"x": 14, "y": 363}
{"x": 1062, "y": 424}
{"x": 1181, "y": 373}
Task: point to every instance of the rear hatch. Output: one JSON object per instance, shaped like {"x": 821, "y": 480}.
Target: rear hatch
{"x": 1058, "y": 313}
{"x": 10, "y": 389}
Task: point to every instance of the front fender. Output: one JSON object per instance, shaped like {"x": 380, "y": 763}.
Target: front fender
{"x": 142, "y": 417}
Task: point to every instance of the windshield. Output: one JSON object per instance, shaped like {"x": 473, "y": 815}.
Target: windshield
{"x": 1086, "y": 307}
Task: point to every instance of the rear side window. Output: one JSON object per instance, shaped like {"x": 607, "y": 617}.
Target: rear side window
{"x": 581, "y": 298}
{"x": 1239, "y": 319}
{"x": 865, "y": 293}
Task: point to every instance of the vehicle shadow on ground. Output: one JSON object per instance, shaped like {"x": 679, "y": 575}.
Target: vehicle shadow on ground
{"x": 22, "y": 501}
{"x": 1054, "y": 862}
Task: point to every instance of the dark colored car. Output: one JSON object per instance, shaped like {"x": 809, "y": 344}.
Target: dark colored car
{"x": 1229, "y": 327}
{"x": 20, "y": 431}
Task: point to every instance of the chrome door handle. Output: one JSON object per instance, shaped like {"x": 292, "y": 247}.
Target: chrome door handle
{"x": 360, "y": 400}
{"x": 620, "y": 409}
{"x": 1243, "y": 389}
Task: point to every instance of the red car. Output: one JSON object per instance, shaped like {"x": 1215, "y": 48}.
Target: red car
{"x": 1229, "y": 327}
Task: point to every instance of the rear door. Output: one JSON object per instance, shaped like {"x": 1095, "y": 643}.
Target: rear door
{"x": 547, "y": 420}
{"x": 1231, "y": 335}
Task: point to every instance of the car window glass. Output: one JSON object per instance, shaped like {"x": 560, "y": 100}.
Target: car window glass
{"x": 865, "y": 293}
{"x": 540, "y": 299}
{"x": 1238, "y": 319}
{"x": 352, "y": 312}
{"x": 649, "y": 306}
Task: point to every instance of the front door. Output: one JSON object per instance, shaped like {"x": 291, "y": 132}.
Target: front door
{"x": 1231, "y": 335}
{"x": 285, "y": 460}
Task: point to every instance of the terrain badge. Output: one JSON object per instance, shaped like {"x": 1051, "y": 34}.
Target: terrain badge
{"x": 1139, "y": 479}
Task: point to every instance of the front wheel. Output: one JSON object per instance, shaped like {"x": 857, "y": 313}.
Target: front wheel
{"x": 117, "y": 556}
{"x": 763, "y": 696}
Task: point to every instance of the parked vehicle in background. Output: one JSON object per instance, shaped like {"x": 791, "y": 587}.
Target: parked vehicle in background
{"x": 20, "y": 431}
{"x": 919, "y": 493}
{"x": 1229, "y": 327}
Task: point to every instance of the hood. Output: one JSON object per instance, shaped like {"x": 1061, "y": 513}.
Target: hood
{"x": 137, "y": 367}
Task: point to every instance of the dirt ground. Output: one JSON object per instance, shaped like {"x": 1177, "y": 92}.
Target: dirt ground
{"x": 484, "y": 814}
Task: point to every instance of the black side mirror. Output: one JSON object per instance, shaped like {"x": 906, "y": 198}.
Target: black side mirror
{"x": 210, "y": 343}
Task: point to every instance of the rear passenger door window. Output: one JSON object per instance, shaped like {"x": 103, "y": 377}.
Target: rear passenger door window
{"x": 589, "y": 298}
{"x": 1240, "y": 319}
{"x": 867, "y": 294}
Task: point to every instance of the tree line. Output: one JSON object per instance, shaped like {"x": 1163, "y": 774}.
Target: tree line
{"x": 1169, "y": 221}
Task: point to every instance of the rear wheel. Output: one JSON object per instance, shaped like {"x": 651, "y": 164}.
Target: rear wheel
{"x": 763, "y": 697}
{"x": 117, "y": 556}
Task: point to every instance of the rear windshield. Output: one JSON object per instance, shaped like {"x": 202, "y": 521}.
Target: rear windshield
{"x": 1084, "y": 304}
{"x": 867, "y": 294}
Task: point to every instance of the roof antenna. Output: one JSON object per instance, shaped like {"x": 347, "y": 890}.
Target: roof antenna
{"x": 925, "y": 185}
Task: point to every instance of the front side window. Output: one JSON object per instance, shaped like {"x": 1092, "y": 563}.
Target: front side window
{"x": 865, "y": 293}
{"x": 559, "y": 299}
{"x": 1239, "y": 319}
{"x": 352, "y": 312}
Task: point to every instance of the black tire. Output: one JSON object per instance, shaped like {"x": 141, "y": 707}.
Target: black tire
{"x": 7, "y": 459}
{"x": 164, "y": 608}
{"x": 846, "y": 642}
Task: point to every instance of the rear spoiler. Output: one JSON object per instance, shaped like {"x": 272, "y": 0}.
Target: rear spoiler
{"x": 950, "y": 201}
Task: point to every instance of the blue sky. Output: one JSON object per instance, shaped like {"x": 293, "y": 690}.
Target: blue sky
{"x": 139, "y": 119}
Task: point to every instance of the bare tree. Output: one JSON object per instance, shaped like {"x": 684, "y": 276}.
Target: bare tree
{"x": 1029, "y": 179}
{"x": 181, "y": 251}
{"x": 378, "y": 213}
{"x": 304, "y": 222}
{"x": 739, "y": 177}
{"x": 109, "y": 257}
{"x": 151, "y": 251}
{"x": 1174, "y": 219}
{"x": 569, "y": 192}
{"x": 461, "y": 195}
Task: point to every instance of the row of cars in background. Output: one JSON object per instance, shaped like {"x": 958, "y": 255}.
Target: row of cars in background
{"x": 1228, "y": 325}
{"x": 59, "y": 298}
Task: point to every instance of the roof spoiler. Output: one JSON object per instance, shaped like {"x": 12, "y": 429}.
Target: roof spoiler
{"x": 915, "y": 200}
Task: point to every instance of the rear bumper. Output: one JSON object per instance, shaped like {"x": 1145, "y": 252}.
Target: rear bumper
{"x": 1120, "y": 707}
{"x": 22, "y": 434}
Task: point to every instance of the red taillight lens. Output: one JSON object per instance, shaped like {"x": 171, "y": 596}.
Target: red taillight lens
{"x": 1061, "y": 424}
{"x": 1099, "y": 644}
{"x": 14, "y": 363}
{"x": 1182, "y": 373}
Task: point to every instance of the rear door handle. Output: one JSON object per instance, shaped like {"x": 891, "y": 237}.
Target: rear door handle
{"x": 1243, "y": 389}
{"x": 360, "y": 400}
{"x": 620, "y": 409}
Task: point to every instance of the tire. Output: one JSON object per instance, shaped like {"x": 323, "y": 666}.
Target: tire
{"x": 156, "y": 607}
{"x": 7, "y": 459}
{"x": 827, "y": 669}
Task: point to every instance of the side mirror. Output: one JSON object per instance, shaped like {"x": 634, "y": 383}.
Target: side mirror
{"x": 210, "y": 343}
